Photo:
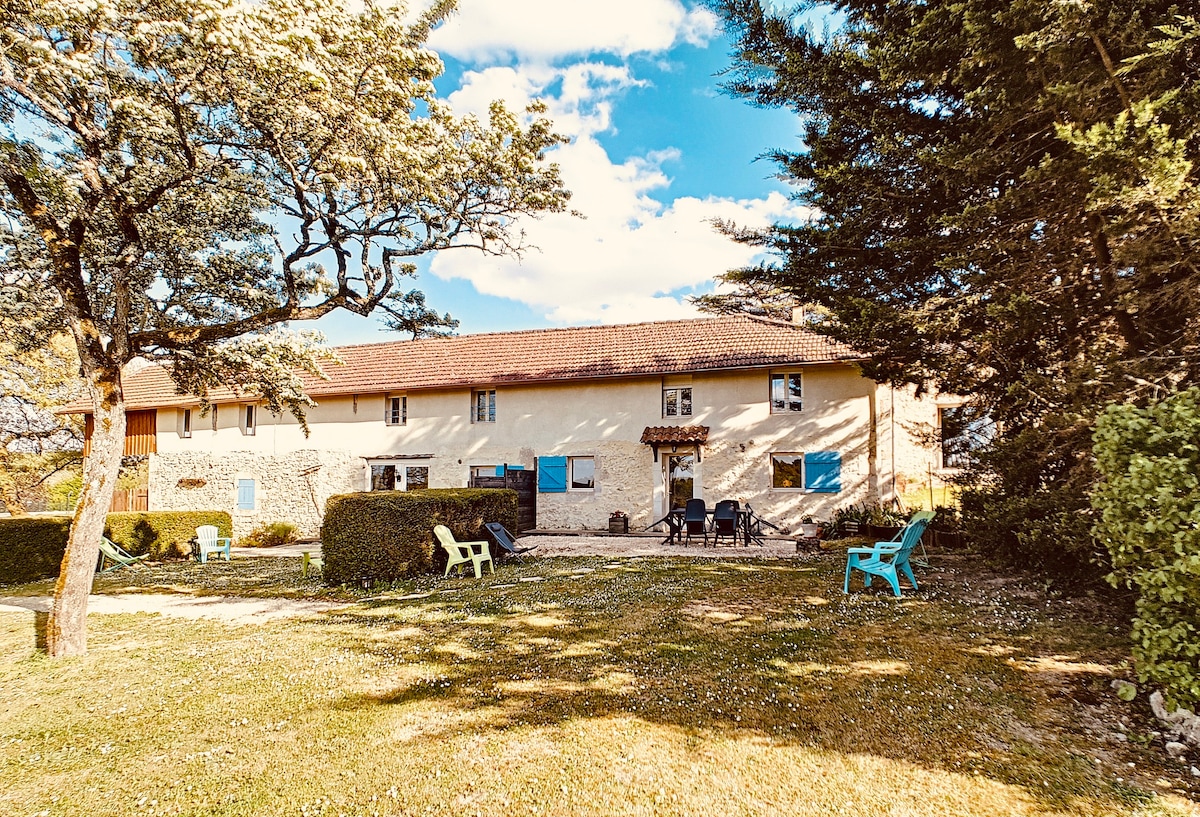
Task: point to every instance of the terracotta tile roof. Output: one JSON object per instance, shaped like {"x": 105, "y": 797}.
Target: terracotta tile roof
{"x": 673, "y": 435}
{"x": 540, "y": 355}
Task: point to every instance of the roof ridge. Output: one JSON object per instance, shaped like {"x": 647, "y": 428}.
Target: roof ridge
{"x": 547, "y": 330}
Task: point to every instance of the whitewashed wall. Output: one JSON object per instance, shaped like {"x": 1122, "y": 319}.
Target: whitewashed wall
{"x": 601, "y": 418}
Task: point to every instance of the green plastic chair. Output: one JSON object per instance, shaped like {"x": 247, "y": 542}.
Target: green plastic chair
{"x": 463, "y": 553}
{"x": 888, "y": 559}
{"x": 309, "y": 561}
{"x": 208, "y": 542}
{"x": 114, "y": 557}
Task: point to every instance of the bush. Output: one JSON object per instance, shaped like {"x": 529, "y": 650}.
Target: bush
{"x": 270, "y": 534}
{"x": 162, "y": 534}
{"x": 1148, "y": 502}
{"x": 388, "y": 535}
{"x": 31, "y": 547}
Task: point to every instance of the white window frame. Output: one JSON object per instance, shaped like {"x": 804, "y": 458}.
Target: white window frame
{"x": 785, "y": 377}
{"x": 250, "y": 419}
{"x": 571, "y": 475}
{"x": 798, "y": 455}
{"x": 185, "y": 424}
{"x": 677, "y": 391}
{"x": 489, "y": 395}
{"x": 395, "y": 410}
{"x": 481, "y": 471}
{"x": 400, "y": 470}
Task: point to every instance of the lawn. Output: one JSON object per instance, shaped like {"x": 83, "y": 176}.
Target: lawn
{"x": 589, "y": 686}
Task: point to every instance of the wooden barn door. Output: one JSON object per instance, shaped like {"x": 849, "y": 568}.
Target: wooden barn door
{"x": 525, "y": 484}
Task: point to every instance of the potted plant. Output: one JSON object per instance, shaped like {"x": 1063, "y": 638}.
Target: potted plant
{"x": 884, "y": 523}
{"x": 618, "y": 522}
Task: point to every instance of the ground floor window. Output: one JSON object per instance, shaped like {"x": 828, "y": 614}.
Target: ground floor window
{"x": 817, "y": 471}
{"x": 787, "y": 470}
{"x": 582, "y": 473}
{"x": 964, "y": 430}
{"x": 394, "y": 477}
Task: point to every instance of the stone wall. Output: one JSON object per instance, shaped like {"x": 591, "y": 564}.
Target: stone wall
{"x": 291, "y": 487}
{"x": 624, "y": 482}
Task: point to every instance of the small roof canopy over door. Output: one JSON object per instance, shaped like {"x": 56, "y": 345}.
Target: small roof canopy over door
{"x": 658, "y": 436}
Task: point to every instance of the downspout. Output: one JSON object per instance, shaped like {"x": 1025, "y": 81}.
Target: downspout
{"x": 872, "y": 444}
{"x": 892, "y": 392}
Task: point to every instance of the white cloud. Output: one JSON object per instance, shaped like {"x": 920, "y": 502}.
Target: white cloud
{"x": 582, "y": 105}
{"x": 547, "y": 29}
{"x": 632, "y": 258}
{"x": 637, "y": 253}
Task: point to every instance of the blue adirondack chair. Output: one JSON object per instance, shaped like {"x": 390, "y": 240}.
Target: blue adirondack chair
{"x": 888, "y": 559}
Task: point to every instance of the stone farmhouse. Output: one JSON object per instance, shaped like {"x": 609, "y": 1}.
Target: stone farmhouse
{"x": 635, "y": 418}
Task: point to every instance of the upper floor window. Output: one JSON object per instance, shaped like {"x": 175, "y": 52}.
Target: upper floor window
{"x": 484, "y": 410}
{"x": 396, "y": 410}
{"x": 185, "y": 429}
{"x": 250, "y": 420}
{"x": 582, "y": 473}
{"x": 786, "y": 392}
{"x": 677, "y": 401}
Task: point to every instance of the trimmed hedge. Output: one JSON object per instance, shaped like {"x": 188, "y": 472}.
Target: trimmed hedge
{"x": 388, "y": 535}
{"x": 31, "y": 547}
{"x": 162, "y": 534}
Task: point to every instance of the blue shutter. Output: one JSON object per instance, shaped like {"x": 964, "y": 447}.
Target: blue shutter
{"x": 245, "y": 495}
{"x": 823, "y": 472}
{"x": 499, "y": 470}
{"x": 516, "y": 468}
{"x": 552, "y": 475}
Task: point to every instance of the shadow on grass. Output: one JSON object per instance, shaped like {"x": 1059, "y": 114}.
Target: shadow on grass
{"x": 761, "y": 650}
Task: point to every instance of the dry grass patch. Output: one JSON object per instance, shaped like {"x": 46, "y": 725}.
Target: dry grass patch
{"x": 645, "y": 687}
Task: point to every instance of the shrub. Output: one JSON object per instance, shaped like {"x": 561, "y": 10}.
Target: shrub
{"x": 162, "y": 534}
{"x": 270, "y": 534}
{"x": 1148, "y": 502}
{"x": 31, "y": 547}
{"x": 388, "y": 535}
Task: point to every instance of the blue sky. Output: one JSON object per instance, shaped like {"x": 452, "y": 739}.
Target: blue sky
{"x": 656, "y": 152}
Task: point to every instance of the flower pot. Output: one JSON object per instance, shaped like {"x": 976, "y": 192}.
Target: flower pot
{"x": 618, "y": 524}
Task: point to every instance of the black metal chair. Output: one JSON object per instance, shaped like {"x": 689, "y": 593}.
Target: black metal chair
{"x": 725, "y": 521}
{"x": 674, "y": 522}
{"x": 695, "y": 520}
{"x": 506, "y": 541}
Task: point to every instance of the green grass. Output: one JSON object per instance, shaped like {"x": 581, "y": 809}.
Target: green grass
{"x": 636, "y": 687}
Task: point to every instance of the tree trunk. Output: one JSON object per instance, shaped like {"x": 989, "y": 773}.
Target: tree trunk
{"x": 66, "y": 631}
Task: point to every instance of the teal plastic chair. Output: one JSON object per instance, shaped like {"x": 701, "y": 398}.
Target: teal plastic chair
{"x": 112, "y": 557}
{"x": 464, "y": 553}
{"x": 889, "y": 559}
